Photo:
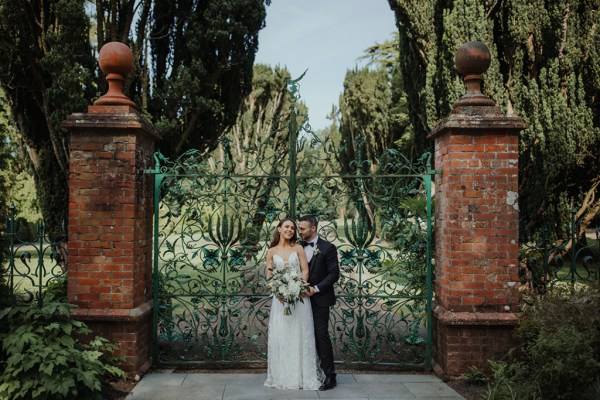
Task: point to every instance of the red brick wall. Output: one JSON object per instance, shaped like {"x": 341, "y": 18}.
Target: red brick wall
{"x": 457, "y": 347}
{"x": 110, "y": 227}
{"x": 109, "y": 195}
{"x": 477, "y": 221}
{"x": 477, "y": 236}
{"x": 133, "y": 337}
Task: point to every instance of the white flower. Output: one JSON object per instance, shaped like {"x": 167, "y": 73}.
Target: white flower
{"x": 287, "y": 286}
{"x": 294, "y": 287}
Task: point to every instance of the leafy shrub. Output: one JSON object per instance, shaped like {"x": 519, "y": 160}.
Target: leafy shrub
{"x": 475, "y": 376}
{"x": 560, "y": 356}
{"x": 56, "y": 289}
{"x": 45, "y": 361}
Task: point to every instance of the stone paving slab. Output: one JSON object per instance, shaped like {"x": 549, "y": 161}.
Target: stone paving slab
{"x": 346, "y": 379}
{"x": 205, "y": 391}
{"x": 248, "y": 379}
{"x": 248, "y": 386}
{"x": 158, "y": 380}
{"x": 367, "y": 390}
{"x": 246, "y": 392}
{"x": 430, "y": 389}
{"x": 376, "y": 378}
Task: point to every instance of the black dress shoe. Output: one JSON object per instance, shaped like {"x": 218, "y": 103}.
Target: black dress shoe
{"x": 330, "y": 383}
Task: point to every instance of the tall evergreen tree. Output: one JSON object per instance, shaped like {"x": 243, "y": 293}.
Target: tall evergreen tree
{"x": 364, "y": 106}
{"x": 261, "y": 127}
{"x": 46, "y": 70}
{"x": 387, "y": 55}
{"x": 545, "y": 67}
{"x": 255, "y": 150}
{"x": 367, "y": 109}
{"x": 259, "y": 140}
{"x": 6, "y": 175}
{"x": 202, "y": 57}
{"x": 193, "y": 67}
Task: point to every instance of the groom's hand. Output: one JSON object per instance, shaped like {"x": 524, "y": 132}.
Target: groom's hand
{"x": 311, "y": 291}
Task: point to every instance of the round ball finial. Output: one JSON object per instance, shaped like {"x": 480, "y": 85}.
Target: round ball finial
{"x": 472, "y": 58}
{"x": 116, "y": 58}
{"x": 116, "y": 61}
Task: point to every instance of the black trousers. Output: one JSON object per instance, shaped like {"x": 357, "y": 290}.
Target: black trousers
{"x": 322, "y": 339}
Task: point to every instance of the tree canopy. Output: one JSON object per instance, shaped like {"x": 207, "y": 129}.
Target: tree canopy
{"x": 193, "y": 68}
{"x": 545, "y": 68}
{"x": 373, "y": 105}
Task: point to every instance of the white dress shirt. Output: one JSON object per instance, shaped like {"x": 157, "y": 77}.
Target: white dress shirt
{"x": 309, "y": 250}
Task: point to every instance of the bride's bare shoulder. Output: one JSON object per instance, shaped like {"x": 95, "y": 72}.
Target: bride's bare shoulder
{"x": 272, "y": 251}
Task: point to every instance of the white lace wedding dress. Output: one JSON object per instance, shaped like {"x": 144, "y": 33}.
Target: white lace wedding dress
{"x": 292, "y": 359}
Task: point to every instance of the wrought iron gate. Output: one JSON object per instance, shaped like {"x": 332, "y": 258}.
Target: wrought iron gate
{"x": 214, "y": 217}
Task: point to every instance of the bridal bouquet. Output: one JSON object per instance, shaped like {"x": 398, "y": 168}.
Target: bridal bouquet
{"x": 287, "y": 286}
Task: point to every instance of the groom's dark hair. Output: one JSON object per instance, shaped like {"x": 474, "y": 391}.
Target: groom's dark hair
{"x": 310, "y": 219}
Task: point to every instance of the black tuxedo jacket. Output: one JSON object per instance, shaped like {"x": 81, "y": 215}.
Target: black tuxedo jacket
{"x": 324, "y": 271}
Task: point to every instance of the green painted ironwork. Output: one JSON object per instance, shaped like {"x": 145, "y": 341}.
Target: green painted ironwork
{"x": 33, "y": 263}
{"x": 548, "y": 261}
{"x": 215, "y": 216}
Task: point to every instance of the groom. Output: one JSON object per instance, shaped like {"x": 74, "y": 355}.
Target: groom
{"x": 324, "y": 271}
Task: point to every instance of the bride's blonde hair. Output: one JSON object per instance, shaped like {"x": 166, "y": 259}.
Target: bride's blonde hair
{"x": 276, "y": 237}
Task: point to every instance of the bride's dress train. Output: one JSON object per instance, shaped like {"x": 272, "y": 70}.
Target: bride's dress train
{"x": 292, "y": 358}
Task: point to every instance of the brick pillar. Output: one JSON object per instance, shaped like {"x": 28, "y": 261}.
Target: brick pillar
{"x": 110, "y": 219}
{"x": 476, "y": 287}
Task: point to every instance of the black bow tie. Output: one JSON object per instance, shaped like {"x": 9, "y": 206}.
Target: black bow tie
{"x": 305, "y": 243}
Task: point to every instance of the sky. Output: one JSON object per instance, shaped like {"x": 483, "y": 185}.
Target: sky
{"x": 327, "y": 37}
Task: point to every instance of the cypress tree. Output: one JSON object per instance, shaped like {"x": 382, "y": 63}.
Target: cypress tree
{"x": 545, "y": 68}
{"x": 365, "y": 106}
{"x": 193, "y": 67}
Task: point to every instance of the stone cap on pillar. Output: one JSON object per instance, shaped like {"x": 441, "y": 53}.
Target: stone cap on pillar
{"x": 475, "y": 110}
{"x": 115, "y": 60}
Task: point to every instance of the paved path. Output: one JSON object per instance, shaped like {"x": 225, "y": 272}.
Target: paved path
{"x": 220, "y": 386}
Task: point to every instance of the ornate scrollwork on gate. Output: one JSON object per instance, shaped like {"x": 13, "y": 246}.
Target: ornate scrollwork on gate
{"x": 36, "y": 261}
{"x": 214, "y": 219}
{"x": 547, "y": 261}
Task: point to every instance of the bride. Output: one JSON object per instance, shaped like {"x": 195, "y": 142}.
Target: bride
{"x": 292, "y": 354}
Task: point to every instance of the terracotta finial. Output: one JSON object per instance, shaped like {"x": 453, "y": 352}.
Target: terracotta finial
{"x": 472, "y": 61}
{"x": 116, "y": 60}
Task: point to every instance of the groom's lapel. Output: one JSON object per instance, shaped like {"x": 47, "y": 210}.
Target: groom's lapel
{"x": 314, "y": 257}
